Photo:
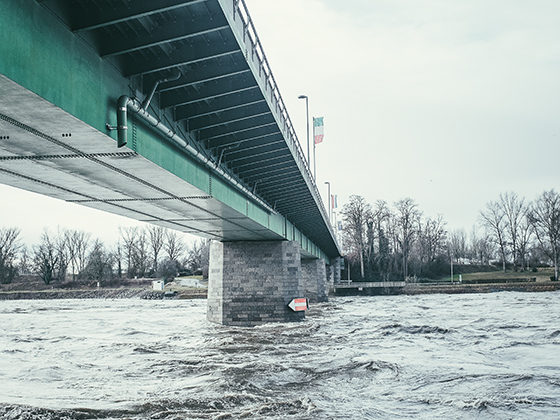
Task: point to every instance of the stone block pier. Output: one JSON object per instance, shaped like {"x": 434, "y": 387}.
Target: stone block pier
{"x": 252, "y": 283}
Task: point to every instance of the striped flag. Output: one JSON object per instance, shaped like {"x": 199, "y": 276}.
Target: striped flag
{"x": 334, "y": 201}
{"x": 318, "y": 129}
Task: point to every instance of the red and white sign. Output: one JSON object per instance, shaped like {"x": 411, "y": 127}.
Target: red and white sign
{"x": 298, "y": 304}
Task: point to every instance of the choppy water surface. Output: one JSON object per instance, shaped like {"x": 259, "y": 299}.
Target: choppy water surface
{"x": 433, "y": 356}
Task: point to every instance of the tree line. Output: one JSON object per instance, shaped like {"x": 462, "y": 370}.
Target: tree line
{"x": 384, "y": 242}
{"x": 69, "y": 254}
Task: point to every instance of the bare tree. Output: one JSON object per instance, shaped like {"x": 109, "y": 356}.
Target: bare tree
{"x": 514, "y": 209}
{"x": 481, "y": 248}
{"x": 406, "y": 217}
{"x": 46, "y": 259}
{"x": 493, "y": 218}
{"x": 458, "y": 244}
{"x": 524, "y": 239}
{"x": 100, "y": 263}
{"x": 355, "y": 214}
{"x": 198, "y": 256}
{"x": 381, "y": 216}
{"x": 545, "y": 218}
{"x": 9, "y": 248}
{"x": 59, "y": 242}
{"x": 173, "y": 246}
{"x": 156, "y": 236}
{"x": 431, "y": 238}
{"x": 24, "y": 261}
{"x": 129, "y": 236}
{"x": 76, "y": 243}
{"x": 140, "y": 254}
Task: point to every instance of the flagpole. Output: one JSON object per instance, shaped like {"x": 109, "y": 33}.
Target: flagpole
{"x": 328, "y": 196}
{"x": 314, "y": 161}
{"x": 307, "y": 115}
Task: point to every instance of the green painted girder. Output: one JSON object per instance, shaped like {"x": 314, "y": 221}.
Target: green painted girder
{"x": 221, "y": 111}
{"x": 249, "y": 141}
{"x": 233, "y": 127}
{"x": 273, "y": 146}
{"x": 126, "y": 12}
{"x": 271, "y": 174}
{"x": 184, "y": 82}
{"x": 283, "y": 157}
{"x": 241, "y": 160}
{"x": 247, "y": 171}
{"x": 245, "y": 130}
{"x": 210, "y": 90}
{"x": 271, "y": 184}
{"x": 169, "y": 33}
{"x": 281, "y": 191}
{"x": 225, "y": 121}
{"x": 218, "y": 104}
{"x": 181, "y": 58}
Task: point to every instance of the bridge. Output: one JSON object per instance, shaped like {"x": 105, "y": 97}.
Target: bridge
{"x": 167, "y": 111}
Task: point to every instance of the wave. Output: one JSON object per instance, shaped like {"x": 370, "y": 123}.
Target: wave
{"x": 414, "y": 329}
{"x": 225, "y": 407}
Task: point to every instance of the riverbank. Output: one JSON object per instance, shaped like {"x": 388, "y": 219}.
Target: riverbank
{"x": 103, "y": 293}
{"x": 419, "y": 289}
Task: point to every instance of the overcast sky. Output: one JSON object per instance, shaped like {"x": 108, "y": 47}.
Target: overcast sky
{"x": 447, "y": 102}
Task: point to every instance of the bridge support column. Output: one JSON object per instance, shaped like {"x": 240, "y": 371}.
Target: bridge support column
{"x": 335, "y": 265}
{"x": 315, "y": 280}
{"x": 251, "y": 283}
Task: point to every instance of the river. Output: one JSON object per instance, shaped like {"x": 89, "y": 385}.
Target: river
{"x": 493, "y": 356}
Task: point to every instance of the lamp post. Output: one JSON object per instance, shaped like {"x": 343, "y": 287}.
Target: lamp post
{"x": 307, "y": 114}
{"x": 329, "y": 198}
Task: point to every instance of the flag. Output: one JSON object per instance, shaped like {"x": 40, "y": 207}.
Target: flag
{"x": 318, "y": 130}
{"x": 334, "y": 201}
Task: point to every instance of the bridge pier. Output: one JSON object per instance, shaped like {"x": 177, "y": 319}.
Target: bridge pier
{"x": 335, "y": 267}
{"x": 251, "y": 283}
{"x": 315, "y": 279}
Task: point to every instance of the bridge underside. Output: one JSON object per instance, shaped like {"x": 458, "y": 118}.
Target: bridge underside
{"x": 46, "y": 150}
{"x": 211, "y": 150}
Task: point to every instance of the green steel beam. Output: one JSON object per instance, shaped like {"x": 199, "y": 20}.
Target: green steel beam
{"x": 180, "y": 60}
{"x": 260, "y": 146}
{"x": 279, "y": 165}
{"x": 239, "y": 131}
{"x": 222, "y": 76}
{"x": 232, "y": 115}
{"x": 216, "y": 105}
{"x": 267, "y": 185}
{"x": 286, "y": 187}
{"x": 277, "y": 172}
{"x": 174, "y": 98}
{"x": 203, "y": 114}
{"x": 281, "y": 158}
{"x": 140, "y": 8}
{"x": 226, "y": 122}
{"x": 164, "y": 35}
{"x": 245, "y": 140}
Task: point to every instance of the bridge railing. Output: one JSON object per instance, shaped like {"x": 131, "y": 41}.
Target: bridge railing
{"x": 250, "y": 36}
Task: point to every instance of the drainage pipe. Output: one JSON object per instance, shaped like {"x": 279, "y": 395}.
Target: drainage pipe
{"x": 125, "y": 102}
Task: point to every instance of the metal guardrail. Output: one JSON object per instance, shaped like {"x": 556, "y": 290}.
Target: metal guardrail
{"x": 250, "y": 33}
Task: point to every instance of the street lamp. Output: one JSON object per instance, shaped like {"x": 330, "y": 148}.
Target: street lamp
{"x": 329, "y": 198}
{"x": 307, "y": 113}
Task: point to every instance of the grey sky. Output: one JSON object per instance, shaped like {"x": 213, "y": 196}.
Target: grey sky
{"x": 448, "y": 102}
